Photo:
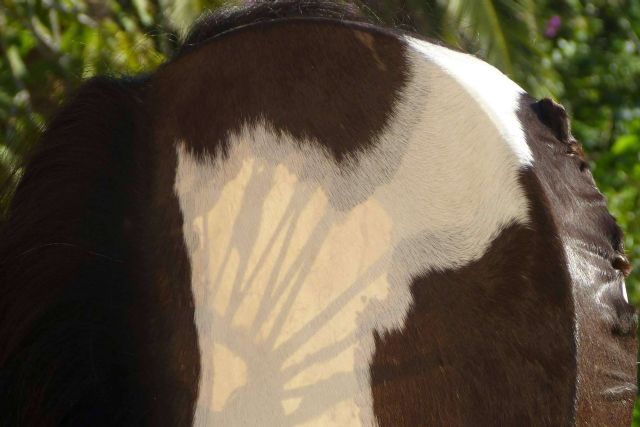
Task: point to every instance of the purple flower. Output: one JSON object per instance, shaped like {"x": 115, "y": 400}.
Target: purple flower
{"x": 553, "y": 26}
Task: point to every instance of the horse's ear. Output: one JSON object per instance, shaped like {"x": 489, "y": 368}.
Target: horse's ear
{"x": 555, "y": 117}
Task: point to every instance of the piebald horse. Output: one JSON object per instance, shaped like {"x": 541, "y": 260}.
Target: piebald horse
{"x": 306, "y": 219}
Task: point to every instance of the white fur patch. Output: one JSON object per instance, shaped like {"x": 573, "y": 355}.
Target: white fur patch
{"x": 495, "y": 93}
{"x": 296, "y": 260}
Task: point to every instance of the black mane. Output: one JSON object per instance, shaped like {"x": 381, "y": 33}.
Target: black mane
{"x": 215, "y": 24}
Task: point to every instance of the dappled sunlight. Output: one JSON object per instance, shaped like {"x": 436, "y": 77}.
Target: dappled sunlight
{"x": 281, "y": 284}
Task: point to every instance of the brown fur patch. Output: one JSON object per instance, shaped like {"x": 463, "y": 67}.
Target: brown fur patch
{"x": 311, "y": 80}
{"x": 487, "y": 344}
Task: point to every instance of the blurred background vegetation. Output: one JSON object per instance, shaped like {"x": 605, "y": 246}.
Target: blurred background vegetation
{"x": 583, "y": 53}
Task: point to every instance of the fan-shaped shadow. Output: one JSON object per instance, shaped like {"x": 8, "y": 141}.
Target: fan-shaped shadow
{"x": 284, "y": 287}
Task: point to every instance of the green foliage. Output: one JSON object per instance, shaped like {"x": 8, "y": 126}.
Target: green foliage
{"x": 48, "y": 47}
{"x": 590, "y": 63}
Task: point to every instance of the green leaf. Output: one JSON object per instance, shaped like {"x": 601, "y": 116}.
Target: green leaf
{"x": 142, "y": 7}
{"x": 626, "y": 143}
{"x": 15, "y": 62}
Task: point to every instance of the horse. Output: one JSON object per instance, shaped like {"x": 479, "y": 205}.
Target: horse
{"x": 304, "y": 218}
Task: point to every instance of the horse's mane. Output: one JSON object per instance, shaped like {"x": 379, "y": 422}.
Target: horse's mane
{"x": 215, "y": 24}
